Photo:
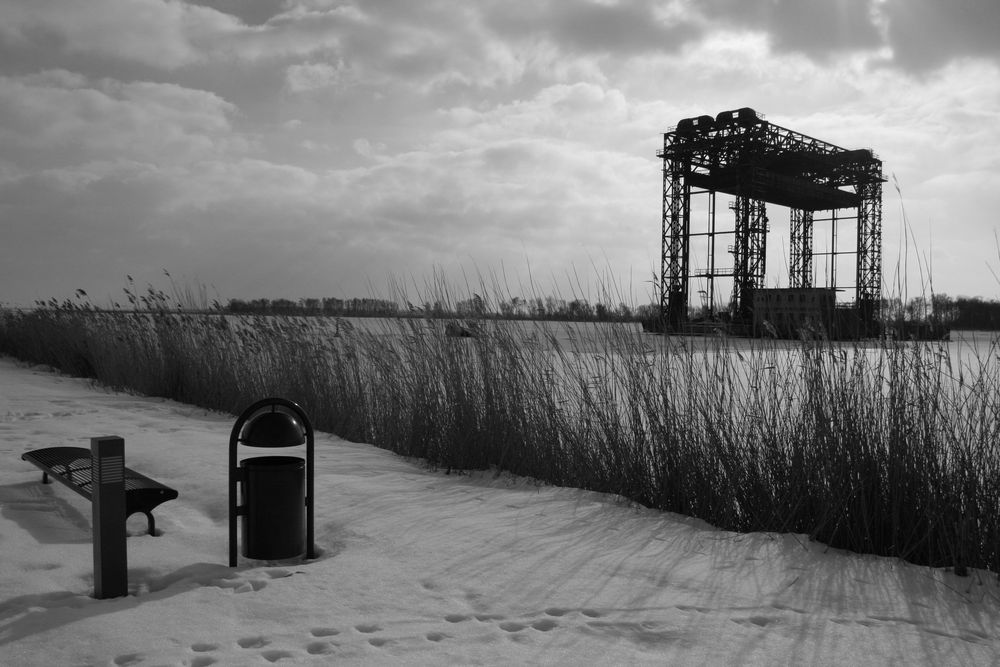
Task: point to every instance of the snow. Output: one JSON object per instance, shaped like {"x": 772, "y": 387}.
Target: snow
{"x": 420, "y": 567}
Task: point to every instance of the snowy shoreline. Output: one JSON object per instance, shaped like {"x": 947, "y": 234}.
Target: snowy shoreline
{"x": 419, "y": 567}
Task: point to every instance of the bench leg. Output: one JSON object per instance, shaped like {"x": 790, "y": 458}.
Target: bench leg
{"x": 45, "y": 478}
{"x": 151, "y": 523}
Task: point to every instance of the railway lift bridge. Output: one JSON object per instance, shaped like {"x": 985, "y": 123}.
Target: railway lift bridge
{"x": 739, "y": 153}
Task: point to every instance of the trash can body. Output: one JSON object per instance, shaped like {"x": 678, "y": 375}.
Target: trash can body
{"x": 274, "y": 501}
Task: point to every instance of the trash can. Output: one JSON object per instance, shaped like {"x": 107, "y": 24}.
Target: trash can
{"x": 274, "y": 501}
{"x": 277, "y": 491}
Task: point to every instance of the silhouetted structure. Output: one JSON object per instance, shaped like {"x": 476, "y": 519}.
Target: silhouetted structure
{"x": 786, "y": 313}
{"x": 741, "y": 154}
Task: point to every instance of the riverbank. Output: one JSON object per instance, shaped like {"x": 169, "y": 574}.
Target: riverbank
{"x": 886, "y": 448}
{"x": 422, "y": 568}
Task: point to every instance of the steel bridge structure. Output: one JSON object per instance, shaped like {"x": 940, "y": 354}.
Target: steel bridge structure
{"x": 739, "y": 153}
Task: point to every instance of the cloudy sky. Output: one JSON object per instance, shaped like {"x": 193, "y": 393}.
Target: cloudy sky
{"x": 317, "y": 147}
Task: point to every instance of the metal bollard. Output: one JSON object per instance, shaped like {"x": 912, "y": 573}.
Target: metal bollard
{"x": 108, "y": 504}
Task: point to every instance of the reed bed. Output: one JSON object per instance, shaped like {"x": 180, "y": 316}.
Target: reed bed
{"x": 889, "y": 448}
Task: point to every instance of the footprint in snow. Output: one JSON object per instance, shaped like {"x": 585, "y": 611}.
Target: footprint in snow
{"x": 320, "y": 648}
{"x": 485, "y": 618}
{"x": 544, "y": 625}
{"x": 203, "y": 647}
{"x": 324, "y": 632}
{"x": 274, "y": 655}
{"x": 253, "y": 642}
{"x": 512, "y": 626}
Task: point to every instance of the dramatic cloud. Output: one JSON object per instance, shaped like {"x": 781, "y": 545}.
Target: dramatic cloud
{"x": 251, "y": 12}
{"x": 919, "y": 35}
{"x": 925, "y": 34}
{"x": 619, "y": 28}
{"x": 152, "y": 32}
{"x": 60, "y": 118}
{"x": 307, "y": 147}
{"x": 815, "y": 27}
{"x": 312, "y": 76}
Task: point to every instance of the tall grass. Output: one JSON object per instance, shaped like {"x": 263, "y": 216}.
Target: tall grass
{"x": 885, "y": 448}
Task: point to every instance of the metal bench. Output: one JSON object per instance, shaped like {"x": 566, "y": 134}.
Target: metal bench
{"x": 72, "y": 465}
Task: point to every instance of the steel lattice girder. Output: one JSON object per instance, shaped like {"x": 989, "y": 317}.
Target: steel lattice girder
{"x": 869, "y": 271}
{"x": 740, "y": 153}
{"x": 801, "y": 237}
{"x": 750, "y": 252}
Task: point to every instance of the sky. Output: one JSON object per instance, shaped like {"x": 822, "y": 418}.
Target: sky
{"x": 315, "y": 148}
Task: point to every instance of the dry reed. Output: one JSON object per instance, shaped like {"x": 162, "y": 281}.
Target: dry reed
{"x": 886, "y": 448}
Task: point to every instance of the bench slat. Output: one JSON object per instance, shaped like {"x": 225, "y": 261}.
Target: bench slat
{"x": 72, "y": 467}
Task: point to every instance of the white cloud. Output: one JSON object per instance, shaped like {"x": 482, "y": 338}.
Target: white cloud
{"x": 363, "y": 147}
{"x": 927, "y": 34}
{"x": 157, "y": 33}
{"x": 312, "y": 76}
{"x": 581, "y": 112}
{"x": 171, "y": 34}
{"x": 58, "y": 117}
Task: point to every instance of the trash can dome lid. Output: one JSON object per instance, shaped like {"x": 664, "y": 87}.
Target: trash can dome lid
{"x": 273, "y": 429}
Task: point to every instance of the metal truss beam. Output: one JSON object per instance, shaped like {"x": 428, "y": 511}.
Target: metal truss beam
{"x": 800, "y": 272}
{"x": 869, "y": 271}
{"x": 749, "y": 252}
{"x": 676, "y": 243}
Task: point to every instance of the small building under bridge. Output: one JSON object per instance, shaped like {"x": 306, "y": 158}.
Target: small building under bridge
{"x": 794, "y": 312}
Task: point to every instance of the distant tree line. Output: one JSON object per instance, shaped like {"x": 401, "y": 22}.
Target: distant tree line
{"x": 328, "y": 306}
{"x": 961, "y": 312}
{"x": 514, "y": 308}
{"x": 955, "y": 312}
{"x": 546, "y": 308}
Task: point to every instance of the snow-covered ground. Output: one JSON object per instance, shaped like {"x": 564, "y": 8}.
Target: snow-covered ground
{"x": 419, "y": 567}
